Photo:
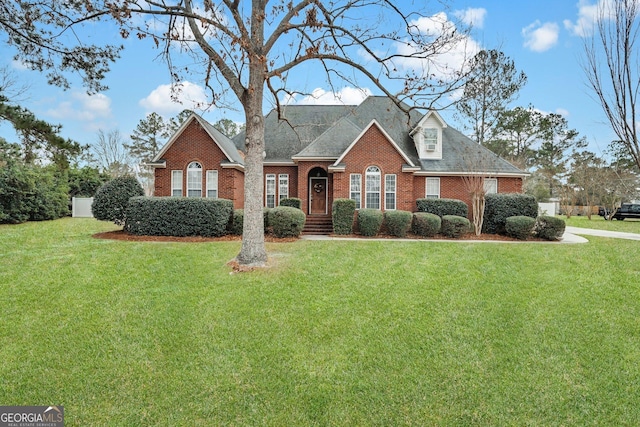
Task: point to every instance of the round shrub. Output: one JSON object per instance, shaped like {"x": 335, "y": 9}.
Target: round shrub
{"x": 425, "y": 224}
{"x": 342, "y": 213}
{"x": 549, "y": 227}
{"x": 499, "y": 207}
{"x": 110, "y": 201}
{"x": 397, "y": 222}
{"x": 292, "y": 202}
{"x": 286, "y": 221}
{"x": 370, "y": 221}
{"x": 520, "y": 227}
{"x": 454, "y": 226}
{"x": 178, "y": 216}
{"x": 237, "y": 222}
{"x": 442, "y": 207}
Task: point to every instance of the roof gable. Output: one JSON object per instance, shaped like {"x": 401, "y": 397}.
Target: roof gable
{"x": 386, "y": 135}
{"x": 223, "y": 142}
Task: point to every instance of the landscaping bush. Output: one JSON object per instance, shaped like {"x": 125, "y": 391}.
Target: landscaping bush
{"x": 370, "y": 221}
{"x": 178, "y": 216}
{"x": 292, "y": 202}
{"x": 499, "y": 207}
{"x": 549, "y": 227}
{"x": 237, "y": 222}
{"x": 110, "y": 201}
{"x": 454, "y": 226}
{"x": 520, "y": 227}
{"x": 425, "y": 224}
{"x": 286, "y": 221}
{"x": 397, "y": 222}
{"x": 342, "y": 213}
{"x": 442, "y": 207}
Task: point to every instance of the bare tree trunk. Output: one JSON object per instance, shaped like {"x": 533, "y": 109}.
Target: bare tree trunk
{"x": 253, "y": 251}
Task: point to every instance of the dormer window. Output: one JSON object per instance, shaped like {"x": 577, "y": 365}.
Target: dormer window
{"x": 430, "y": 139}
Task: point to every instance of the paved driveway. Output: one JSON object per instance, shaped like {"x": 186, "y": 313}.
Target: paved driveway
{"x": 601, "y": 233}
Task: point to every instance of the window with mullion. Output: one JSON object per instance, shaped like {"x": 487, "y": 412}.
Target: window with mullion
{"x": 176, "y": 183}
{"x": 433, "y": 188}
{"x": 212, "y": 184}
{"x": 390, "y": 192}
{"x": 270, "y": 186}
{"x": 283, "y": 186}
{"x": 194, "y": 180}
{"x": 372, "y": 188}
{"x": 355, "y": 188}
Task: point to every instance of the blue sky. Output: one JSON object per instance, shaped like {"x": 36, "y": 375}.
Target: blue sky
{"x": 543, "y": 37}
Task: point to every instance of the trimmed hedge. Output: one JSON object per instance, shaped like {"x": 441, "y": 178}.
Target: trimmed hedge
{"x": 292, "y": 202}
{"x": 370, "y": 221}
{"x": 342, "y": 213}
{"x": 173, "y": 216}
{"x": 442, "y": 207}
{"x": 454, "y": 226}
{"x": 286, "y": 221}
{"x": 549, "y": 227}
{"x": 237, "y": 222}
{"x": 425, "y": 224}
{"x": 110, "y": 201}
{"x": 520, "y": 227}
{"x": 499, "y": 207}
{"x": 397, "y": 222}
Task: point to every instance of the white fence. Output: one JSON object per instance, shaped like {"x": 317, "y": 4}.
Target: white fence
{"x": 81, "y": 207}
{"x": 548, "y": 208}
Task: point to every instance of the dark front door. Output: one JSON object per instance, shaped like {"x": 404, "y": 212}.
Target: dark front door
{"x": 318, "y": 196}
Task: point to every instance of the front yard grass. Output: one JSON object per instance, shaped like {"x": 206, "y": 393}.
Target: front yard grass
{"x": 599, "y": 223}
{"x": 336, "y": 333}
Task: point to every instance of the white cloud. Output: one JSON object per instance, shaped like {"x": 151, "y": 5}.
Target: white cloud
{"x": 472, "y": 16}
{"x": 170, "y": 99}
{"x": 541, "y": 37}
{"x": 83, "y": 107}
{"x": 442, "y": 65}
{"x": 563, "y": 112}
{"x": 588, "y": 15}
{"x": 319, "y": 96}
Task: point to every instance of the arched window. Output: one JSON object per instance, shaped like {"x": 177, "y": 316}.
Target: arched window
{"x": 194, "y": 180}
{"x": 372, "y": 188}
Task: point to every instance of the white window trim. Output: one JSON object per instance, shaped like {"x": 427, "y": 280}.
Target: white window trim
{"x": 283, "y": 187}
{"x": 377, "y": 173}
{"x": 270, "y": 178}
{"x": 488, "y": 182}
{"x": 197, "y": 183}
{"x": 176, "y": 183}
{"x": 394, "y": 192}
{"x": 212, "y": 182}
{"x": 426, "y": 187}
{"x": 353, "y": 192}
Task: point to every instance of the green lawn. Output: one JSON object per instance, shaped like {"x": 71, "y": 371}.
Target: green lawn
{"x": 336, "y": 333}
{"x": 598, "y": 222}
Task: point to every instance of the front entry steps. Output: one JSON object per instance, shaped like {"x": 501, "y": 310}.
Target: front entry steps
{"x": 318, "y": 225}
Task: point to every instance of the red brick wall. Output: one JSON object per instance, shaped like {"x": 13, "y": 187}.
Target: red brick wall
{"x": 292, "y": 171}
{"x": 374, "y": 149}
{"x": 195, "y": 145}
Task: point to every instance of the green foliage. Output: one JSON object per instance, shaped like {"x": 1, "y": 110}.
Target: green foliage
{"x": 342, "y": 213}
{"x": 370, "y": 221}
{"x": 499, "y": 207}
{"x": 178, "y": 216}
{"x": 237, "y": 222}
{"x": 425, "y": 224}
{"x": 442, "y": 207}
{"x": 110, "y": 201}
{"x": 397, "y": 222}
{"x": 454, "y": 226}
{"x": 84, "y": 182}
{"x": 549, "y": 227}
{"x": 520, "y": 227}
{"x": 30, "y": 192}
{"x": 286, "y": 221}
{"x": 292, "y": 202}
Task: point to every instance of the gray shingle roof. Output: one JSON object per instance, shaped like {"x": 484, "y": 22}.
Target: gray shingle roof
{"x": 326, "y": 131}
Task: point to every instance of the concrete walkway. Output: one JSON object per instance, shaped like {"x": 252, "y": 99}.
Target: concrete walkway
{"x": 602, "y": 233}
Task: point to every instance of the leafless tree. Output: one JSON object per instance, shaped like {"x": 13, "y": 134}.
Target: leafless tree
{"x": 110, "y": 155}
{"x": 613, "y": 71}
{"x": 249, "y": 50}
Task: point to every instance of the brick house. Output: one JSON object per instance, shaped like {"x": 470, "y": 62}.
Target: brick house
{"x": 373, "y": 153}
